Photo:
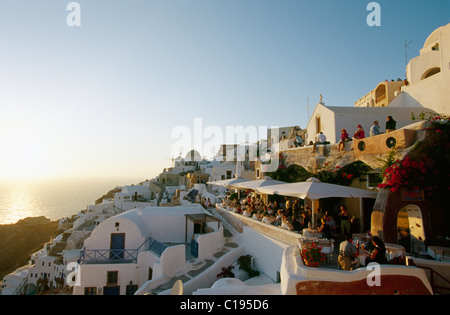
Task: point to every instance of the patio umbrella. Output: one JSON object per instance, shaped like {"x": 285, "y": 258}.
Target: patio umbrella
{"x": 229, "y": 182}
{"x": 259, "y": 183}
{"x": 316, "y": 190}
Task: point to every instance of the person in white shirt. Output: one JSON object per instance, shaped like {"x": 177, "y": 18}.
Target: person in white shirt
{"x": 374, "y": 129}
{"x": 321, "y": 138}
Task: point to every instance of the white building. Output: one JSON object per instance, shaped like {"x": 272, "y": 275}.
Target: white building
{"x": 132, "y": 197}
{"x": 332, "y": 119}
{"x": 150, "y": 244}
{"x": 429, "y": 75}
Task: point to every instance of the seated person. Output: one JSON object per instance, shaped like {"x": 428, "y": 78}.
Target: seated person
{"x": 298, "y": 141}
{"x": 359, "y": 133}
{"x": 321, "y": 138}
{"x": 286, "y": 224}
{"x": 296, "y": 224}
{"x": 378, "y": 254}
{"x": 325, "y": 229}
{"x": 348, "y": 253}
{"x": 257, "y": 215}
{"x": 344, "y": 138}
{"x": 246, "y": 212}
{"x": 268, "y": 219}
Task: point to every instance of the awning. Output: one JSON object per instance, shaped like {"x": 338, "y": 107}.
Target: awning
{"x": 257, "y": 184}
{"x": 315, "y": 190}
{"x": 229, "y": 182}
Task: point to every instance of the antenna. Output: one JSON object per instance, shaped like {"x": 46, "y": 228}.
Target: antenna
{"x": 307, "y": 105}
{"x": 406, "y": 54}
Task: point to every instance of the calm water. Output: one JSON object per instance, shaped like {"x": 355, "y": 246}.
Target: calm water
{"x": 54, "y": 199}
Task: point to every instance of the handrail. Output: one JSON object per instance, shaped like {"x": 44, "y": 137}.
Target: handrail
{"x": 435, "y": 287}
{"x": 444, "y": 252}
{"x": 111, "y": 256}
{"x": 18, "y": 289}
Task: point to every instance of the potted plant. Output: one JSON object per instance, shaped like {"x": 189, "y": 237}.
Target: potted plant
{"x": 312, "y": 255}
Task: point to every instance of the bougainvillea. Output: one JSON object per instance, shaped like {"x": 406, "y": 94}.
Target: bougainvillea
{"x": 313, "y": 253}
{"x": 407, "y": 173}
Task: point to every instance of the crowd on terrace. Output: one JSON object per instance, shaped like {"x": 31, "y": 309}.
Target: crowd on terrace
{"x": 289, "y": 214}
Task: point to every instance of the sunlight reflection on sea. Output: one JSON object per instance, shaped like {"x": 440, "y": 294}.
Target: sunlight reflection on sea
{"x": 54, "y": 199}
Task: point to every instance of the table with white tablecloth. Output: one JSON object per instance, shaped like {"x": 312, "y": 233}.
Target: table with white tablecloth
{"x": 362, "y": 256}
{"x": 362, "y": 238}
{"x": 326, "y": 244}
{"x": 314, "y": 233}
{"x": 394, "y": 250}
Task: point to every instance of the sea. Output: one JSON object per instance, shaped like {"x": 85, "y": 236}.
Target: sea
{"x": 53, "y": 198}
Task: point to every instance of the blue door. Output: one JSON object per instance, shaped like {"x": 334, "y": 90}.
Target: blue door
{"x": 194, "y": 248}
{"x": 117, "y": 246}
{"x": 115, "y": 290}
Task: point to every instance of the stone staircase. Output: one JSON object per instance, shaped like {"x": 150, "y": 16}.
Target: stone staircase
{"x": 197, "y": 267}
{"x": 56, "y": 250}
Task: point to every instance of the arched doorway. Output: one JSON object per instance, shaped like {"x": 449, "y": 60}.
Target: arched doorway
{"x": 411, "y": 233}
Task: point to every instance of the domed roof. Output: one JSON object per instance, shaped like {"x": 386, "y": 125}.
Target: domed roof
{"x": 193, "y": 155}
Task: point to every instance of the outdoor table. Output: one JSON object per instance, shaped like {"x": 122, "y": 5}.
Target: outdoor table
{"x": 308, "y": 232}
{"x": 439, "y": 252}
{"x": 394, "y": 250}
{"x": 362, "y": 238}
{"x": 362, "y": 255}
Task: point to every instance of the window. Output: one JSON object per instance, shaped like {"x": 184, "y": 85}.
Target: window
{"x": 431, "y": 72}
{"x": 150, "y": 273}
{"x": 318, "y": 124}
{"x": 112, "y": 277}
{"x": 90, "y": 291}
{"x": 131, "y": 289}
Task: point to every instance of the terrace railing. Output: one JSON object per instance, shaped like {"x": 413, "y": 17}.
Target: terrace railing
{"x": 114, "y": 256}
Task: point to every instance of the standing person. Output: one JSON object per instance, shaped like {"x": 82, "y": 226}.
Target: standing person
{"x": 390, "y": 124}
{"x": 359, "y": 133}
{"x": 374, "y": 129}
{"x": 345, "y": 221}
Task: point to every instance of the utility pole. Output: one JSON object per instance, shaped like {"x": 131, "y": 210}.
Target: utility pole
{"x": 307, "y": 106}
{"x": 406, "y": 55}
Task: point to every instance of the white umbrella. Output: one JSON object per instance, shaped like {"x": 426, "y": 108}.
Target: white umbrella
{"x": 316, "y": 190}
{"x": 229, "y": 182}
{"x": 259, "y": 183}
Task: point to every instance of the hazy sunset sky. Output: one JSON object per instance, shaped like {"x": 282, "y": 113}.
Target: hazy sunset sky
{"x": 102, "y": 99}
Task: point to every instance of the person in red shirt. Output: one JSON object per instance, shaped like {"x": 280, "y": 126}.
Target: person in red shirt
{"x": 359, "y": 133}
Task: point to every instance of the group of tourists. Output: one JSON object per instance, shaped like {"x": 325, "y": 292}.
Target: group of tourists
{"x": 360, "y": 133}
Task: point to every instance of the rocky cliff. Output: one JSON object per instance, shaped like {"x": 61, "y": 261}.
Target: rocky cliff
{"x": 20, "y": 240}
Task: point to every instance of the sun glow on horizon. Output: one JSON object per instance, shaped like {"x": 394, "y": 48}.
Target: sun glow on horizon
{"x": 27, "y": 149}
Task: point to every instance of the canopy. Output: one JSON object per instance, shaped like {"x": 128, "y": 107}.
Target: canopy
{"x": 315, "y": 190}
{"x": 229, "y": 182}
{"x": 257, "y": 184}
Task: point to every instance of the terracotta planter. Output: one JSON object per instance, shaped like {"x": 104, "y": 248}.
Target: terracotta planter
{"x": 311, "y": 263}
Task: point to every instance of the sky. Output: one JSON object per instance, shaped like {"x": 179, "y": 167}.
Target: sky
{"x": 108, "y": 98}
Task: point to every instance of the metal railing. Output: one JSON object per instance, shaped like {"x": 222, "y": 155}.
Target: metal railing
{"x": 437, "y": 289}
{"x": 114, "y": 256}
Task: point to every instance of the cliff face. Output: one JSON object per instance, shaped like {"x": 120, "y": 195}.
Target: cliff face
{"x": 19, "y": 241}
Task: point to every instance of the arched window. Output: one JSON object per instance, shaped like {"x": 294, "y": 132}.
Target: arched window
{"x": 431, "y": 72}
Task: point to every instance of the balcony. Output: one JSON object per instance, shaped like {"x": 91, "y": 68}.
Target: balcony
{"x": 384, "y": 143}
{"x": 121, "y": 256}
